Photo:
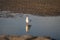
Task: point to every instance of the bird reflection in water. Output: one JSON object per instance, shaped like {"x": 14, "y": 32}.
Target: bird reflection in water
{"x": 28, "y": 28}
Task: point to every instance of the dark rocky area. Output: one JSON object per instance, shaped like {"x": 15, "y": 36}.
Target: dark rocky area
{"x": 24, "y": 37}
{"x": 35, "y": 7}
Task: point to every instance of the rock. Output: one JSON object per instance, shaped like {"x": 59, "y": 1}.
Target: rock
{"x": 24, "y": 37}
{"x": 3, "y": 37}
{"x": 14, "y": 37}
{"x": 41, "y": 38}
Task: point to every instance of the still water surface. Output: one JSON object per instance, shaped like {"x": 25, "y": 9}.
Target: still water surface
{"x": 41, "y": 26}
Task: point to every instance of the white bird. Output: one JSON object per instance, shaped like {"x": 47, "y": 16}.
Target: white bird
{"x": 28, "y": 26}
{"x": 27, "y": 21}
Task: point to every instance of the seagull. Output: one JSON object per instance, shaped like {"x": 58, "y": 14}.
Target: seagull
{"x": 27, "y": 24}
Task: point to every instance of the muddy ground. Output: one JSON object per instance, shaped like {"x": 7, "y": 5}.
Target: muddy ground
{"x": 35, "y": 7}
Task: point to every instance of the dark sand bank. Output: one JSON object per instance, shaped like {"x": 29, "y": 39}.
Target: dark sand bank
{"x": 24, "y": 37}
{"x": 36, "y": 7}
